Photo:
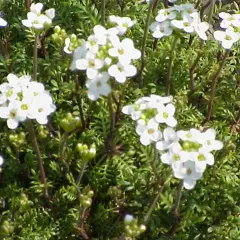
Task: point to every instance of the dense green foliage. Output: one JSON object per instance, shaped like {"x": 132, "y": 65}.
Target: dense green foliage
{"x": 121, "y": 175}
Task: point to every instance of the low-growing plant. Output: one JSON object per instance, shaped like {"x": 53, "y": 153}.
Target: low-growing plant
{"x": 119, "y": 120}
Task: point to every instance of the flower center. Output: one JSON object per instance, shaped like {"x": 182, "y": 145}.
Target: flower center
{"x": 201, "y": 157}
{"x": 24, "y": 107}
{"x": 150, "y": 131}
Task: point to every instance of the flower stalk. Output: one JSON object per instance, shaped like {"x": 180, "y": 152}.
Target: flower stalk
{"x": 145, "y": 35}
{"x": 192, "y": 70}
{"x": 79, "y": 101}
{"x": 103, "y": 12}
{"x": 35, "y": 57}
{"x": 170, "y": 65}
{"x": 39, "y": 159}
{"x": 213, "y": 86}
{"x": 175, "y": 211}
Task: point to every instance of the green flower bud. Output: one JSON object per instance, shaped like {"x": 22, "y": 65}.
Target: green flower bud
{"x": 57, "y": 29}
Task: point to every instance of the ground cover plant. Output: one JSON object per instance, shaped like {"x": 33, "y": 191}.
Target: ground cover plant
{"x": 119, "y": 119}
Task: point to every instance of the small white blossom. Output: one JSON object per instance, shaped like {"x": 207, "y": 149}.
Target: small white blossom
{"x": 227, "y": 38}
{"x": 98, "y": 86}
{"x": 149, "y": 133}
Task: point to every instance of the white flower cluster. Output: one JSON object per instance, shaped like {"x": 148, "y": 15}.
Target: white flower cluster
{"x": 150, "y": 113}
{"x": 105, "y": 55}
{"x": 20, "y": 98}
{"x": 231, "y": 34}
{"x": 36, "y": 19}
{"x": 179, "y": 18}
{"x": 187, "y": 152}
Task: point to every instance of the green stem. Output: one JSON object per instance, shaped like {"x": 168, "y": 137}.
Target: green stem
{"x": 192, "y": 70}
{"x": 170, "y": 65}
{"x": 213, "y": 86}
{"x": 112, "y": 115}
{"x": 39, "y": 159}
{"x": 144, "y": 40}
{"x": 79, "y": 179}
{"x": 175, "y": 209}
{"x": 35, "y": 57}
{"x": 62, "y": 149}
{"x": 79, "y": 101}
{"x": 103, "y": 12}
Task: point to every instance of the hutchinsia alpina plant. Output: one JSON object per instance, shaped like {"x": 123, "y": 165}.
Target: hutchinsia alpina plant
{"x": 187, "y": 152}
{"x": 182, "y": 18}
{"x": 231, "y": 34}
{"x": 104, "y": 55}
{"x": 38, "y": 20}
{"x": 22, "y": 99}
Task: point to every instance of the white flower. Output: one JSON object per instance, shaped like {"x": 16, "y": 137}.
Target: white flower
{"x": 165, "y": 14}
{"x": 102, "y": 34}
{"x": 11, "y": 114}
{"x": 174, "y": 154}
{"x": 123, "y": 23}
{"x": 156, "y": 101}
{"x": 36, "y": 8}
{"x": 161, "y": 29}
{"x": 148, "y": 133}
{"x": 41, "y": 107}
{"x": 91, "y": 64}
{"x": 98, "y": 86}
{"x": 92, "y": 44}
{"x": 136, "y": 109}
{"x": 187, "y": 172}
{"x": 50, "y": 13}
{"x": 170, "y": 137}
{"x": 165, "y": 115}
{"x": 124, "y": 50}
{"x": 120, "y": 72}
{"x": 202, "y": 158}
{"x": 3, "y": 23}
{"x": 79, "y": 53}
{"x": 229, "y": 19}
{"x": 227, "y": 38}
{"x": 207, "y": 139}
{"x": 191, "y": 135}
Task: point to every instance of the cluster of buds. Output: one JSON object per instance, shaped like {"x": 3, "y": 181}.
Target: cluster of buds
{"x": 86, "y": 153}
{"x": 132, "y": 228}
{"x": 85, "y": 197}
{"x": 70, "y": 123}
{"x": 152, "y": 114}
{"x": 7, "y": 227}
{"x": 187, "y": 152}
{"x": 179, "y": 18}
{"x": 231, "y": 34}
{"x": 38, "y": 20}
{"x": 17, "y": 139}
{"x": 22, "y": 99}
{"x": 105, "y": 55}
{"x": 59, "y": 35}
